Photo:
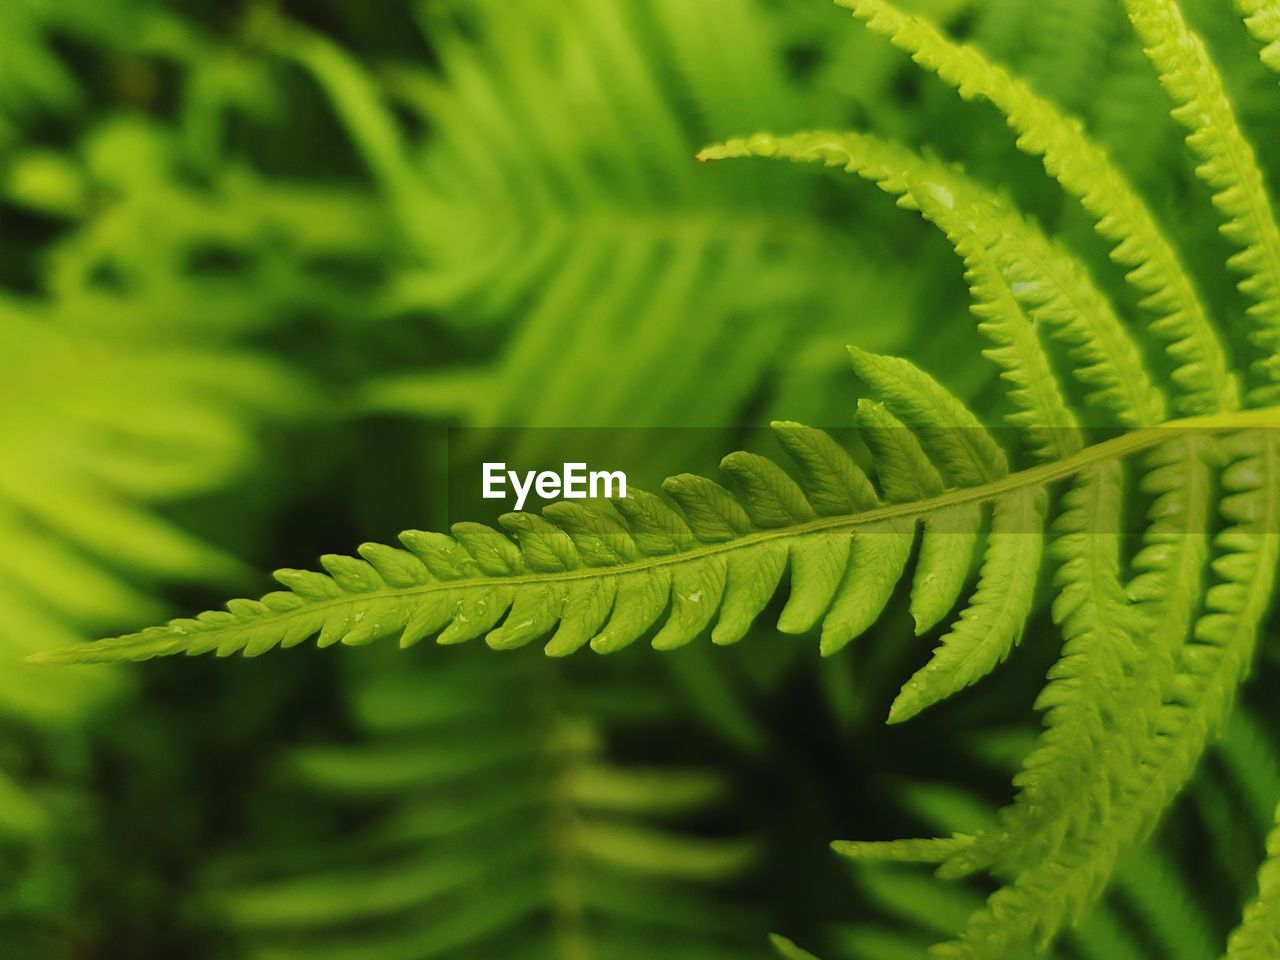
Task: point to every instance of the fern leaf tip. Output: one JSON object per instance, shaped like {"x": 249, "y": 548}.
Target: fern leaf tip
{"x": 858, "y": 355}
{"x": 133, "y": 647}
{"x": 906, "y": 706}
{"x": 788, "y": 950}
{"x": 61, "y": 656}
{"x": 758, "y": 145}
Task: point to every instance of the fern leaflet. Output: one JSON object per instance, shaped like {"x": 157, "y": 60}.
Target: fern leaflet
{"x": 1263, "y": 20}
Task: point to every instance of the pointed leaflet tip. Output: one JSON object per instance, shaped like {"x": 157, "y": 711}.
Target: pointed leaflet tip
{"x": 52, "y": 658}
{"x": 788, "y": 950}
{"x": 717, "y": 151}
{"x": 866, "y": 365}
{"x": 901, "y": 711}
{"x": 861, "y": 358}
{"x": 757, "y": 145}
{"x": 156, "y": 642}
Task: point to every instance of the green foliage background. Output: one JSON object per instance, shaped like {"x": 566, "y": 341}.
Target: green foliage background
{"x": 257, "y": 259}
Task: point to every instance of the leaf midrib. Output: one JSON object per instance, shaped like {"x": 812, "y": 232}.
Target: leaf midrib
{"x": 1039, "y": 475}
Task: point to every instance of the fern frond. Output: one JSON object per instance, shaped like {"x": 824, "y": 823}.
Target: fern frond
{"x": 1100, "y": 653}
{"x": 1003, "y": 255}
{"x": 1121, "y": 665}
{"x": 1258, "y": 936}
{"x": 717, "y": 552}
{"x": 491, "y": 823}
{"x": 1263, "y": 21}
{"x": 1101, "y": 701}
{"x": 532, "y": 200}
{"x": 605, "y": 574}
{"x": 73, "y": 418}
{"x": 1013, "y": 270}
{"x": 1047, "y": 895}
{"x": 1202, "y": 372}
{"x": 1155, "y": 908}
{"x": 1227, "y": 163}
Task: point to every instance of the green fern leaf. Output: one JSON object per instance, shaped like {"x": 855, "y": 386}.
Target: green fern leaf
{"x": 1227, "y": 163}
{"x": 1014, "y": 272}
{"x": 1084, "y": 170}
{"x": 1047, "y": 895}
{"x": 712, "y": 555}
{"x": 1104, "y": 692}
{"x": 1155, "y": 910}
{"x": 605, "y": 574}
{"x": 1100, "y": 653}
{"x": 1258, "y": 936}
{"x": 1100, "y": 702}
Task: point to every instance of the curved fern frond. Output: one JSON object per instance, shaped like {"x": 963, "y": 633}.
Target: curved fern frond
{"x": 1202, "y": 372}
{"x": 1263, "y": 20}
{"x": 1227, "y": 164}
{"x": 951, "y": 200}
{"x": 1015, "y": 274}
{"x": 1258, "y": 936}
